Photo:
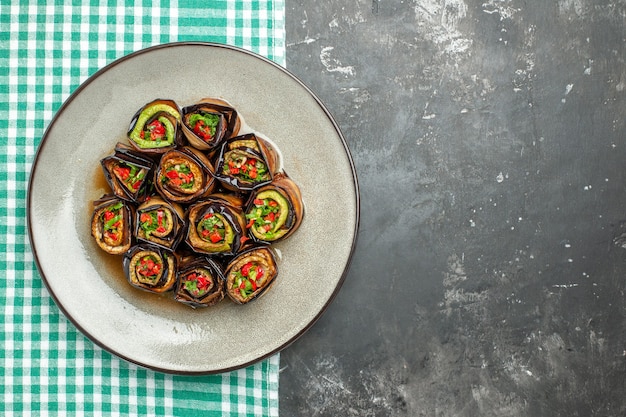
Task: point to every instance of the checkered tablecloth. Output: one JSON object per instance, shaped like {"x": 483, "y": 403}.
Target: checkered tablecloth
{"x": 47, "y": 48}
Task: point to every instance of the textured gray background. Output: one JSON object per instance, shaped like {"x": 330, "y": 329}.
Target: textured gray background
{"x": 489, "y": 139}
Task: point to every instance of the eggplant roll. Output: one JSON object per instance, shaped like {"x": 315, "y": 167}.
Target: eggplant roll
{"x": 200, "y": 282}
{"x": 216, "y": 225}
{"x": 250, "y": 274}
{"x": 208, "y": 123}
{"x": 160, "y": 222}
{"x": 184, "y": 175}
{"x": 150, "y": 268}
{"x": 128, "y": 173}
{"x": 246, "y": 162}
{"x": 274, "y": 211}
{"x": 154, "y": 128}
{"x": 111, "y": 224}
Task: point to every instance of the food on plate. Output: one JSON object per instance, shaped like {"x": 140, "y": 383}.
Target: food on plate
{"x": 150, "y": 268}
{"x": 184, "y": 175}
{"x": 250, "y": 274}
{"x": 197, "y": 201}
{"x": 246, "y": 162}
{"x": 207, "y": 123}
{"x": 275, "y": 211}
{"x": 200, "y": 282}
{"x": 128, "y": 173}
{"x": 160, "y": 222}
{"x": 154, "y": 128}
{"x": 111, "y": 224}
{"x": 216, "y": 225}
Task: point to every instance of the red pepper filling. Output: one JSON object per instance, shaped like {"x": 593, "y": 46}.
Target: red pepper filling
{"x": 123, "y": 172}
{"x": 160, "y": 216}
{"x": 155, "y": 130}
{"x": 152, "y": 221}
{"x": 179, "y": 176}
{"x": 112, "y": 219}
{"x": 248, "y": 279}
{"x": 264, "y": 216}
{"x": 197, "y": 284}
{"x": 212, "y": 228}
{"x": 248, "y": 169}
{"x": 203, "y": 130}
{"x": 148, "y": 266}
{"x": 130, "y": 175}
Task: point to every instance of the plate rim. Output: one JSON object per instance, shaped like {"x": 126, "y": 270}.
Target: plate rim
{"x": 42, "y": 144}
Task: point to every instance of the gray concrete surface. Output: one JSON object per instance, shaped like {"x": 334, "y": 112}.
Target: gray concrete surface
{"x": 489, "y": 139}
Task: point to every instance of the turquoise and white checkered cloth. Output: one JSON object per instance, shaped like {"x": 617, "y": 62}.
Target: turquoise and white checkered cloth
{"x": 47, "y": 48}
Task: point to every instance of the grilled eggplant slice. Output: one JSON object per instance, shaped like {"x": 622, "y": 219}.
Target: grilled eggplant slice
{"x": 160, "y": 222}
{"x": 128, "y": 173}
{"x": 216, "y": 225}
{"x": 154, "y": 129}
{"x": 207, "y": 123}
{"x": 111, "y": 224}
{"x": 250, "y": 274}
{"x": 200, "y": 282}
{"x": 274, "y": 211}
{"x": 184, "y": 175}
{"x": 246, "y": 162}
{"x": 150, "y": 268}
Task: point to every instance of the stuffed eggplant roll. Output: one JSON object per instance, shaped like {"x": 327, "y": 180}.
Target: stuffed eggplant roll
{"x": 200, "y": 282}
{"x": 150, "y": 268}
{"x": 154, "y": 128}
{"x": 160, "y": 222}
{"x": 209, "y": 122}
{"x": 274, "y": 211}
{"x": 250, "y": 274}
{"x": 246, "y": 162}
{"x": 216, "y": 225}
{"x": 128, "y": 173}
{"x": 111, "y": 224}
{"x": 184, "y": 175}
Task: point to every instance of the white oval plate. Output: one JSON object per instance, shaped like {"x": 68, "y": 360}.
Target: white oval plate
{"x": 89, "y": 285}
